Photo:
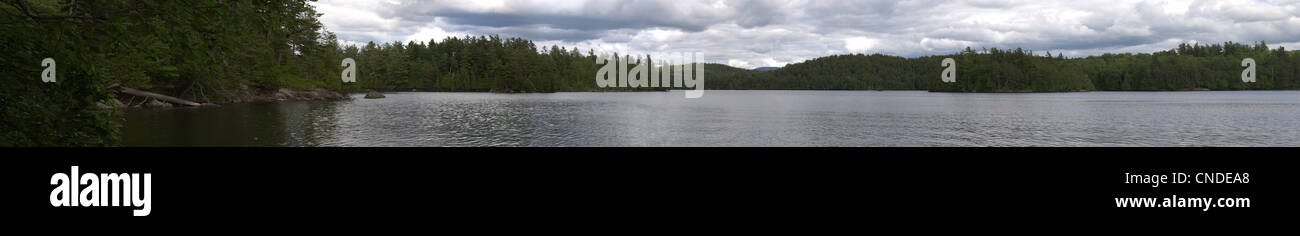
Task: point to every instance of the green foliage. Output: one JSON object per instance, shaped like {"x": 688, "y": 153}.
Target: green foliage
{"x": 837, "y": 72}
{"x": 196, "y": 50}
{"x": 483, "y": 64}
{"x": 64, "y": 113}
{"x": 1212, "y": 67}
{"x": 1014, "y": 71}
{"x": 1189, "y": 67}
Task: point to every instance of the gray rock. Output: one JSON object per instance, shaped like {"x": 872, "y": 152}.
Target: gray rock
{"x": 110, "y": 104}
{"x": 328, "y": 95}
{"x": 309, "y": 95}
{"x": 284, "y": 94}
{"x": 373, "y": 94}
{"x": 116, "y": 103}
{"x": 156, "y": 103}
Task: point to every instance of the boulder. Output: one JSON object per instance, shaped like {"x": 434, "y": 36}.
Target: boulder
{"x": 374, "y": 94}
{"x": 284, "y": 94}
{"x": 156, "y": 103}
{"x": 110, "y": 104}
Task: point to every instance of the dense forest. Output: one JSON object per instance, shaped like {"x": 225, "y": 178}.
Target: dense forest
{"x": 1188, "y": 67}
{"x": 837, "y": 72}
{"x": 214, "y": 51}
{"x": 489, "y": 63}
{"x": 483, "y": 63}
{"x": 199, "y": 50}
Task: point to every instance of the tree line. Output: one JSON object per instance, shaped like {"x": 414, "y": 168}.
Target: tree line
{"x": 476, "y": 64}
{"x": 1188, "y": 67}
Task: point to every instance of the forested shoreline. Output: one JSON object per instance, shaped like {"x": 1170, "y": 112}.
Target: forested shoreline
{"x": 1188, "y": 67}
{"x": 205, "y": 51}
{"x": 488, "y": 63}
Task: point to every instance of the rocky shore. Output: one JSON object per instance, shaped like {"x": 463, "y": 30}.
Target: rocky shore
{"x": 244, "y": 94}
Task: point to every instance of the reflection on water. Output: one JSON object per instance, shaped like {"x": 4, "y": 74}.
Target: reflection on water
{"x": 257, "y": 124}
{"x": 739, "y": 118}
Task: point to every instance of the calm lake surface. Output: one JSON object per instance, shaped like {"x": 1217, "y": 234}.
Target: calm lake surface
{"x": 739, "y": 118}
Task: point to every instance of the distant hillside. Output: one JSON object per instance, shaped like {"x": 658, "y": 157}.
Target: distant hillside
{"x": 767, "y": 68}
{"x": 1188, "y": 67}
{"x": 836, "y": 72}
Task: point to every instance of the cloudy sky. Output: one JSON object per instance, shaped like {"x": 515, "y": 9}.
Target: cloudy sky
{"x": 757, "y": 33}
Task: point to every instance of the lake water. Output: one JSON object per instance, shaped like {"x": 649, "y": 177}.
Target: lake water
{"x": 739, "y": 118}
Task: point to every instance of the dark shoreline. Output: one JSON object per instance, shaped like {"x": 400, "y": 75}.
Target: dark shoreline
{"x": 243, "y": 95}
{"x": 284, "y": 94}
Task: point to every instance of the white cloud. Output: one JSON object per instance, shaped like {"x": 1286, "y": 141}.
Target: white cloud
{"x": 753, "y": 33}
{"x": 429, "y": 33}
{"x": 739, "y": 64}
{"x": 859, "y": 44}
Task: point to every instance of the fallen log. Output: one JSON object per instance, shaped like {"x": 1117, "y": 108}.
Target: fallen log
{"x": 147, "y": 94}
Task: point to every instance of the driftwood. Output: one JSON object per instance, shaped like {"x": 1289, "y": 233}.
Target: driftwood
{"x": 147, "y": 94}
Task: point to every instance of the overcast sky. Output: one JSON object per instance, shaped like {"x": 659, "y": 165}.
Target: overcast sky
{"x": 759, "y": 33}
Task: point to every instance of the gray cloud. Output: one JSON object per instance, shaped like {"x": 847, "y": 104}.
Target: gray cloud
{"x": 753, "y": 33}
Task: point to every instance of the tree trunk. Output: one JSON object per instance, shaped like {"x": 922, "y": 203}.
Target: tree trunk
{"x": 160, "y": 97}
